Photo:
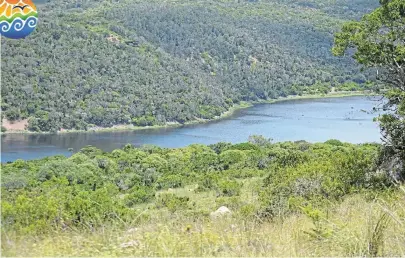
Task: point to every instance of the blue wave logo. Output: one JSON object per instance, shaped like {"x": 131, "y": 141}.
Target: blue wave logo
{"x": 18, "y": 28}
{"x": 18, "y": 18}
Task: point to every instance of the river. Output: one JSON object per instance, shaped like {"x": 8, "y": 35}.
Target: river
{"x": 313, "y": 120}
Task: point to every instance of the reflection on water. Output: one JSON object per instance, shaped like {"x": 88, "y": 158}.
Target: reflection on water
{"x": 312, "y": 120}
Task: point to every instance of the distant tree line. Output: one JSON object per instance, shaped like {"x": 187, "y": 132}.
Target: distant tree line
{"x": 171, "y": 62}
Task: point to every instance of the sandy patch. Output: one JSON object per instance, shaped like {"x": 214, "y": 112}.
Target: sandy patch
{"x": 15, "y": 125}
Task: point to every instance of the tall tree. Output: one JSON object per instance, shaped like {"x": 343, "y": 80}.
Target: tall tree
{"x": 378, "y": 41}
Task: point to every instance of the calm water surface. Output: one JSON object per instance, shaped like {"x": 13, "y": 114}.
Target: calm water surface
{"x": 314, "y": 120}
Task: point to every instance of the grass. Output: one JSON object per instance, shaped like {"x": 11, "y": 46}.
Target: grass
{"x": 358, "y": 226}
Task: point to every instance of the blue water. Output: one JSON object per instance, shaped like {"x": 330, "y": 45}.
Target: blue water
{"x": 314, "y": 120}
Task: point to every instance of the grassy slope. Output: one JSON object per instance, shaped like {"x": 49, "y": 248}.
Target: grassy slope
{"x": 161, "y": 233}
{"x": 320, "y": 199}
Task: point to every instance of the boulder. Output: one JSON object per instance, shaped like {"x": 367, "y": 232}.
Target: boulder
{"x": 132, "y": 230}
{"x": 133, "y": 243}
{"x": 221, "y": 212}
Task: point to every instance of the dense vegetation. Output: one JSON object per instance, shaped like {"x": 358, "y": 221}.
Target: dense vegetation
{"x": 129, "y": 187}
{"x": 124, "y": 178}
{"x": 152, "y": 62}
{"x": 378, "y": 40}
{"x": 288, "y": 198}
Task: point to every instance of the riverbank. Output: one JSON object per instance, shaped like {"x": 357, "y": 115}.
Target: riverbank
{"x": 230, "y": 112}
{"x": 309, "y": 120}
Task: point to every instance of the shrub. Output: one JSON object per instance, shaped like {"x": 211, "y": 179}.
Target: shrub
{"x": 13, "y": 182}
{"x": 230, "y": 157}
{"x": 138, "y": 195}
{"x": 172, "y": 202}
{"x": 207, "y": 182}
{"x": 334, "y": 142}
{"x": 229, "y": 188}
{"x": 91, "y": 151}
{"x": 260, "y": 140}
{"x": 220, "y": 147}
{"x": 323, "y": 175}
{"x": 203, "y": 159}
{"x": 248, "y": 211}
{"x": 169, "y": 181}
{"x": 321, "y": 229}
{"x": 60, "y": 204}
{"x": 244, "y": 146}
{"x": 244, "y": 173}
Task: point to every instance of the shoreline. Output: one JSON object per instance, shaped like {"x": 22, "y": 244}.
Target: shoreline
{"x": 226, "y": 114}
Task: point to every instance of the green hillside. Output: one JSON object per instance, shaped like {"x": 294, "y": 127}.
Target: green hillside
{"x": 153, "y": 62}
{"x": 286, "y": 199}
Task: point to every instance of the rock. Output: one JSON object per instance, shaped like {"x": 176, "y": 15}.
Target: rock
{"x": 222, "y": 211}
{"x": 130, "y": 244}
{"x": 131, "y": 230}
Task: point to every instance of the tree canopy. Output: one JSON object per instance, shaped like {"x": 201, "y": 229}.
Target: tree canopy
{"x": 101, "y": 63}
{"x": 378, "y": 41}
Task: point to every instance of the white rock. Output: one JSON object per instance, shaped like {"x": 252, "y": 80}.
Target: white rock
{"x": 131, "y": 230}
{"x": 130, "y": 244}
{"x": 222, "y": 211}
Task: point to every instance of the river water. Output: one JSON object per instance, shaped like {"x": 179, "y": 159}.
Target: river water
{"x": 314, "y": 120}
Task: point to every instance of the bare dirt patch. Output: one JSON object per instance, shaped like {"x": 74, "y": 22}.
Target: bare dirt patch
{"x": 113, "y": 39}
{"x": 19, "y": 125}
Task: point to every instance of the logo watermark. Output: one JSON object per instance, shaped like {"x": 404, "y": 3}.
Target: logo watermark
{"x": 18, "y": 18}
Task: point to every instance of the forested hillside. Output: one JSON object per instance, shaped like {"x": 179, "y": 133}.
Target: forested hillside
{"x": 149, "y": 62}
{"x": 152, "y": 62}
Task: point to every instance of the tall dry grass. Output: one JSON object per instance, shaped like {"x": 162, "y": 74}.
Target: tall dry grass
{"x": 355, "y": 227}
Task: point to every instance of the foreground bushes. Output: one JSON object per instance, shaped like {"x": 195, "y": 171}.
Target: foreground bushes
{"x": 93, "y": 188}
{"x": 325, "y": 175}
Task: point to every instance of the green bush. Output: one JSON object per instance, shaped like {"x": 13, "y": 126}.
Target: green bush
{"x": 229, "y": 188}
{"x": 260, "y": 140}
{"x": 138, "y": 195}
{"x": 244, "y": 173}
{"x": 60, "y": 205}
{"x": 207, "y": 182}
{"x": 244, "y": 146}
{"x": 248, "y": 211}
{"x": 172, "y": 202}
{"x": 170, "y": 181}
{"x": 92, "y": 188}
{"x": 334, "y": 142}
{"x": 220, "y": 147}
{"x": 230, "y": 157}
{"x": 327, "y": 174}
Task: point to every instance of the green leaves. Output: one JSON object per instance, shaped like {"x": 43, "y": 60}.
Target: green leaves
{"x": 328, "y": 173}
{"x": 378, "y": 40}
{"x": 92, "y": 188}
{"x": 150, "y": 63}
